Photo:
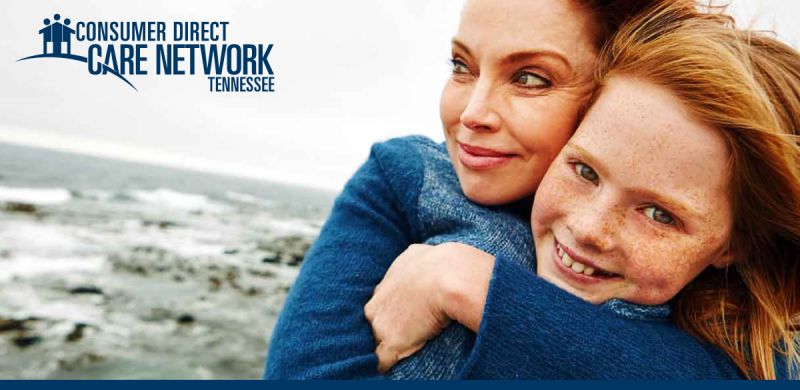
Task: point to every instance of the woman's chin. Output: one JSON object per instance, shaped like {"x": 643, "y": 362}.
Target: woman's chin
{"x": 491, "y": 191}
{"x": 486, "y": 196}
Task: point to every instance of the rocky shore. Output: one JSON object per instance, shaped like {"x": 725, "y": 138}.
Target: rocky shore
{"x": 122, "y": 291}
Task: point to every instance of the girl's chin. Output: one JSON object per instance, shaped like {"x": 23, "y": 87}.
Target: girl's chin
{"x": 595, "y": 298}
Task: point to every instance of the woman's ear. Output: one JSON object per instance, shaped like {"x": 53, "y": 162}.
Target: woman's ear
{"x": 724, "y": 260}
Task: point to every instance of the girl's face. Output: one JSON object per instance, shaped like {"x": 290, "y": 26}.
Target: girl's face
{"x": 636, "y": 205}
{"x": 521, "y": 69}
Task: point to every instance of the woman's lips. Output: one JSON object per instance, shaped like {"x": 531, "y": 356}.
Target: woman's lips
{"x": 474, "y": 157}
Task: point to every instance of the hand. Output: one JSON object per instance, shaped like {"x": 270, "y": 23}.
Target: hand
{"x": 422, "y": 292}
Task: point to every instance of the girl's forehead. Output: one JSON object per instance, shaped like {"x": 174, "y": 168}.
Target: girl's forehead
{"x": 644, "y": 137}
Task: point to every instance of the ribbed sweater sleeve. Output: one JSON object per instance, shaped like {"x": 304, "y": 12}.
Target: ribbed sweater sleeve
{"x": 322, "y": 331}
{"x": 532, "y": 329}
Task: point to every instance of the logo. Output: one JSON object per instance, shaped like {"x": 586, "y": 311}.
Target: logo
{"x": 158, "y": 48}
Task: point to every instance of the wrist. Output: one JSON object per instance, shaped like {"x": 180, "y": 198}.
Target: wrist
{"x": 463, "y": 282}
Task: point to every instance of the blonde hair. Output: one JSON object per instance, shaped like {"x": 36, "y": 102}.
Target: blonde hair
{"x": 747, "y": 85}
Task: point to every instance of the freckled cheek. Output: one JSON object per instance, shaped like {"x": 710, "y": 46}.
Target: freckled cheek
{"x": 660, "y": 270}
{"x": 549, "y": 204}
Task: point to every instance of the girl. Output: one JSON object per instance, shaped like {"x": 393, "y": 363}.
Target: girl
{"x": 681, "y": 187}
{"x": 522, "y": 70}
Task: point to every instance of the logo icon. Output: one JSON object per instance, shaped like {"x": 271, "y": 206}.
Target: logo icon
{"x": 59, "y": 36}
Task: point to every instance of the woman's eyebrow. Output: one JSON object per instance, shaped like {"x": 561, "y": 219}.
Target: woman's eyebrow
{"x": 522, "y": 56}
{"x": 462, "y": 46}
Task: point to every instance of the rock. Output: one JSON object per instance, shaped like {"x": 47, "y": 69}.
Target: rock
{"x": 19, "y": 207}
{"x": 253, "y": 291}
{"x": 160, "y": 224}
{"x": 26, "y": 341}
{"x": 186, "y": 319}
{"x": 230, "y": 251}
{"x": 295, "y": 260}
{"x": 77, "y": 332}
{"x": 86, "y": 290}
{"x": 265, "y": 273}
{"x": 214, "y": 283}
{"x": 271, "y": 258}
{"x": 7, "y": 325}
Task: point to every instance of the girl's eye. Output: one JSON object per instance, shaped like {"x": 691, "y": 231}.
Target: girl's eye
{"x": 658, "y": 215}
{"x": 459, "y": 67}
{"x": 586, "y": 172}
{"x": 527, "y": 79}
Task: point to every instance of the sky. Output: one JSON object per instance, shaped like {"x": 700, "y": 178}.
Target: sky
{"x": 347, "y": 74}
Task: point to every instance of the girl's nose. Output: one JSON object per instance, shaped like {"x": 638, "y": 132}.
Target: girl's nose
{"x": 593, "y": 225}
{"x": 480, "y": 114}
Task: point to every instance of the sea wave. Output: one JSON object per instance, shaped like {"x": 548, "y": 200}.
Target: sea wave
{"x": 247, "y": 198}
{"x": 29, "y": 266}
{"x": 94, "y": 194}
{"x": 36, "y": 196}
{"x": 171, "y": 199}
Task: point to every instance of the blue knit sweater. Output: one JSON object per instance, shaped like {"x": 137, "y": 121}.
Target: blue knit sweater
{"x": 407, "y": 192}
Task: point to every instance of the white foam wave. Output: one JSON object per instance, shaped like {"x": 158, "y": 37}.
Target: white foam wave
{"x": 32, "y": 238}
{"x": 292, "y": 227}
{"x": 25, "y": 267}
{"x": 100, "y": 195}
{"x": 176, "y": 200}
{"x": 37, "y": 196}
{"x": 248, "y": 199}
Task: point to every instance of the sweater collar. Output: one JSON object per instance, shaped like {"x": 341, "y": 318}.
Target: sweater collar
{"x": 638, "y": 312}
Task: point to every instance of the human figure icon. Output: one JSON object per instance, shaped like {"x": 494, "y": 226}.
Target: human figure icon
{"x": 66, "y": 36}
{"x": 47, "y": 35}
{"x": 57, "y": 34}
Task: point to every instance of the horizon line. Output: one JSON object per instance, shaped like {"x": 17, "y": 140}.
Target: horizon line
{"x": 209, "y": 167}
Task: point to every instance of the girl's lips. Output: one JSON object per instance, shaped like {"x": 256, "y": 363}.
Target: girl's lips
{"x": 478, "y": 158}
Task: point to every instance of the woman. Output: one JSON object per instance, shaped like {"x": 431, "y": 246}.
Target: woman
{"x": 681, "y": 185}
{"x": 519, "y": 81}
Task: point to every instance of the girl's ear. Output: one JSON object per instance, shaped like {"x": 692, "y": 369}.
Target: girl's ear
{"x": 724, "y": 260}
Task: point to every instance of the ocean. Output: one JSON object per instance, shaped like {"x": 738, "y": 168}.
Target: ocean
{"x": 112, "y": 269}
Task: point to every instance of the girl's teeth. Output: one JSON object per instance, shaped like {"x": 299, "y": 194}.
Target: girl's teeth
{"x": 574, "y": 265}
{"x": 566, "y": 260}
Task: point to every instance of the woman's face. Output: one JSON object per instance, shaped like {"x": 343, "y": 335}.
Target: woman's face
{"x": 521, "y": 69}
{"x": 636, "y": 205}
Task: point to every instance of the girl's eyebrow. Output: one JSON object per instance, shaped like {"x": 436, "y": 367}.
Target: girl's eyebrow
{"x": 682, "y": 208}
{"x": 670, "y": 203}
{"x": 522, "y": 56}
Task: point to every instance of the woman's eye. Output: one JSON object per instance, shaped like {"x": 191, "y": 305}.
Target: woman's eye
{"x": 586, "y": 172}
{"x": 658, "y": 215}
{"x": 527, "y": 79}
{"x": 458, "y": 66}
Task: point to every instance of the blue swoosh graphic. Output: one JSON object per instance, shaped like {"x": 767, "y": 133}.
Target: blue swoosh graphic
{"x": 81, "y": 59}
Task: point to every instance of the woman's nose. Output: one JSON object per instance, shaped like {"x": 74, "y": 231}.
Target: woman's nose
{"x": 480, "y": 114}
{"x": 593, "y": 225}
